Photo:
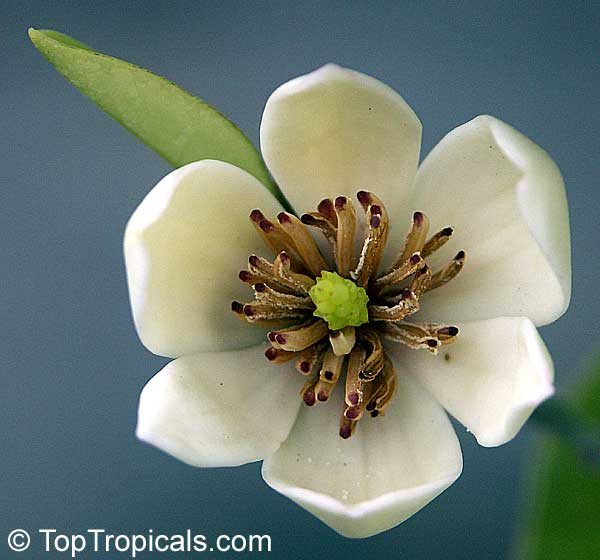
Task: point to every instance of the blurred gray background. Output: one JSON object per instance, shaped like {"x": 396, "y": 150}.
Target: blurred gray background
{"x": 72, "y": 366}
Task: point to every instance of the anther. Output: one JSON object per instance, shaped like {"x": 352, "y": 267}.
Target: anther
{"x": 266, "y": 226}
{"x": 257, "y": 216}
{"x": 309, "y": 398}
{"x": 340, "y": 202}
{"x": 284, "y": 218}
{"x": 326, "y": 208}
{"x": 308, "y": 220}
{"x": 245, "y": 276}
{"x": 345, "y": 431}
{"x": 237, "y": 307}
{"x": 364, "y": 197}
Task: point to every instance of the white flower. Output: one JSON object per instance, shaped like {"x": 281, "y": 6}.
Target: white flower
{"x": 220, "y": 403}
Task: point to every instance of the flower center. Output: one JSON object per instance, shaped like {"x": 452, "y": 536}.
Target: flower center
{"x": 331, "y": 315}
{"x": 339, "y": 301}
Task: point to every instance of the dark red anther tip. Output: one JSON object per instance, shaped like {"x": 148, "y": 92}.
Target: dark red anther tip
{"x": 248, "y": 310}
{"x": 364, "y": 197}
{"x": 418, "y": 218}
{"x": 271, "y": 354}
{"x": 271, "y": 336}
{"x": 304, "y": 367}
{"x": 374, "y": 414}
{"x": 340, "y": 202}
{"x": 253, "y": 260}
{"x": 353, "y": 398}
{"x": 452, "y": 331}
{"x": 280, "y": 338}
{"x": 432, "y": 343}
{"x": 459, "y": 256}
{"x": 415, "y": 259}
{"x": 244, "y": 275}
{"x": 328, "y": 375}
{"x": 284, "y": 218}
{"x": 256, "y": 216}
{"x": 370, "y": 406}
{"x": 309, "y": 398}
{"x": 266, "y": 226}
{"x": 322, "y": 396}
{"x": 285, "y": 258}
{"x": 447, "y": 231}
{"x": 376, "y": 209}
{"x": 353, "y": 412}
{"x": 325, "y": 206}
{"x": 237, "y": 307}
{"x": 345, "y": 432}
{"x": 406, "y": 293}
{"x": 308, "y": 220}
{"x": 375, "y": 221}
{"x": 260, "y": 287}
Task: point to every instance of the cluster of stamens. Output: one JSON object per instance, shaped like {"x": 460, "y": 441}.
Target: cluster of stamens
{"x": 293, "y": 290}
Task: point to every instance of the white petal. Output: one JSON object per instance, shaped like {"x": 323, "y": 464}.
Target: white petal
{"x": 490, "y": 379}
{"x": 506, "y": 200}
{"x": 184, "y": 247}
{"x": 335, "y": 132}
{"x": 388, "y": 470}
{"x": 220, "y": 408}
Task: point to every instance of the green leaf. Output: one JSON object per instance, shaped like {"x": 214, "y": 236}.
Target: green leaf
{"x": 565, "y": 520}
{"x": 171, "y": 121}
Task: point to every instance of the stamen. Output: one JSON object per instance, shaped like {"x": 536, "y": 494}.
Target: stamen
{"x": 421, "y": 281}
{"x": 278, "y": 356}
{"x": 397, "y": 275}
{"x": 323, "y": 390}
{"x": 309, "y": 360}
{"x": 436, "y": 241}
{"x": 265, "y": 294}
{"x": 238, "y": 309}
{"x": 315, "y": 219}
{"x": 375, "y": 355}
{"x": 326, "y": 208}
{"x": 346, "y": 427}
{"x": 346, "y": 224}
{"x": 282, "y": 270}
{"x": 308, "y": 392}
{"x": 415, "y": 239}
{"x": 299, "y": 338}
{"x": 343, "y": 341}
{"x": 332, "y": 367}
{"x": 276, "y": 238}
{"x": 375, "y": 239}
{"x": 355, "y": 412}
{"x": 408, "y": 335}
{"x": 448, "y": 273}
{"x": 303, "y": 242}
{"x": 256, "y": 311}
{"x": 354, "y": 385}
{"x": 407, "y": 305}
{"x": 384, "y": 391}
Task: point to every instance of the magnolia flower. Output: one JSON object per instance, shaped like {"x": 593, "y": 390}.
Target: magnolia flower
{"x": 375, "y": 322}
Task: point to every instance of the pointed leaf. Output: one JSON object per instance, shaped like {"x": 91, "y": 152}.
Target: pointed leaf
{"x": 171, "y": 121}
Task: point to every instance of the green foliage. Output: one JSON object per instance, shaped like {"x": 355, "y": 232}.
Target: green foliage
{"x": 565, "y": 521}
{"x": 171, "y": 121}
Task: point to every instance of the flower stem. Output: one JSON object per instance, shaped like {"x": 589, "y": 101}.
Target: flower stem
{"x": 562, "y": 420}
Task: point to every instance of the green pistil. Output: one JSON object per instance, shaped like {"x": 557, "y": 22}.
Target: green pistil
{"x": 339, "y": 301}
